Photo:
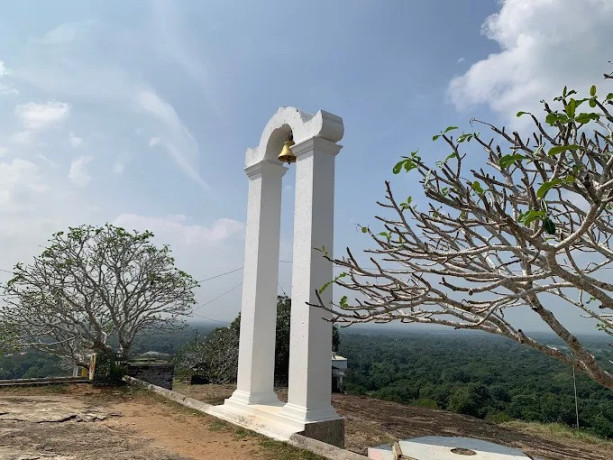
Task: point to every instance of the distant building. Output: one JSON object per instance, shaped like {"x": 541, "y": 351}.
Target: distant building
{"x": 339, "y": 367}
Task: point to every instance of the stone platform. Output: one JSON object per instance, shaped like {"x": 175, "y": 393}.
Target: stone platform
{"x": 445, "y": 448}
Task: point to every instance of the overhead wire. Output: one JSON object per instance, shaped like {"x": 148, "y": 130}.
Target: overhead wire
{"x": 220, "y": 275}
{"x": 221, "y": 295}
{"x": 211, "y": 319}
{"x": 213, "y": 300}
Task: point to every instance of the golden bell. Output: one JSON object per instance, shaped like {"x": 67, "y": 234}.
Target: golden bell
{"x": 286, "y": 155}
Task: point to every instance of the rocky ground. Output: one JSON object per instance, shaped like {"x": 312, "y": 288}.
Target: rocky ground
{"x": 74, "y": 422}
{"x": 79, "y": 422}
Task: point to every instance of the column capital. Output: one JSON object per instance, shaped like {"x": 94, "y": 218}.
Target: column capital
{"x": 316, "y": 144}
{"x": 265, "y": 167}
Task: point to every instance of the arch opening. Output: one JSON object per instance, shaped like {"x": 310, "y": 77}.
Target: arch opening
{"x": 276, "y": 140}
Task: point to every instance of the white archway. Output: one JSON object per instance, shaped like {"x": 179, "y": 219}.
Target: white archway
{"x": 309, "y": 408}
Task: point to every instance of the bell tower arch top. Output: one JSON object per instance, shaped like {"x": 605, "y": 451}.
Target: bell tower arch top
{"x": 302, "y": 125}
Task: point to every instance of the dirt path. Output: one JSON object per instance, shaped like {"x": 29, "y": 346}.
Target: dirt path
{"x": 79, "y": 422}
{"x": 187, "y": 433}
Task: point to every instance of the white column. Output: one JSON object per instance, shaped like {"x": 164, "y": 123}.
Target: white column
{"x": 310, "y": 373}
{"x": 256, "y": 359}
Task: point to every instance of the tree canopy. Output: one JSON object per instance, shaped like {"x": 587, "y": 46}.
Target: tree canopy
{"x": 91, "y": 282}
{"x": 216, "y": 357}
{"x": 529, "y": 229}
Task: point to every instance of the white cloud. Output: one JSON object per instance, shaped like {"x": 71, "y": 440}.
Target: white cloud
{"x": 39, "y": 116}
{"x": 173, "y": 43}
{"x": 3, "y": 151}
{"x": 175, "y": 228}
{"x": 74, "y": 140}
{"x": 202, "y": 251}
{"x": 84, "y": 64}
{"x": 84, "y": 77}
{"x": 78, "y": 174}
{"x": 4, "y": 88}
{"x": 19, "y": 179}
{"x": 119, "y": 167}
{"x": 34, "y": 203}
{"x": 179, "y": 142}
{"x": 22, "y": 137}
{"x": 66, "y": 33}
{"x": 545, "y": 45}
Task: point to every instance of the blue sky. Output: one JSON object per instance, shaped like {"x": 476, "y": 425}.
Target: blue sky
{"x": 139, "y": 113}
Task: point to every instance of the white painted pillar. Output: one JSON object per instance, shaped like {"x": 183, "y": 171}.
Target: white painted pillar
{"x": 256, "y": 359}
{"x": 310, "y": 370}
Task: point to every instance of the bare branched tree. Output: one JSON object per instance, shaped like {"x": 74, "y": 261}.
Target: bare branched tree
{"x": 531, "y": 229}
{"x": 92, "y": 282}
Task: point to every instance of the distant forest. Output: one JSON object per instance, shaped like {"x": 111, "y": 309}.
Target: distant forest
{"x": 468, "y": 373}
{"x": 479, "y": 375}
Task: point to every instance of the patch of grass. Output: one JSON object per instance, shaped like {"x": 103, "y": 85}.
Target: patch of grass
{"x": 241, "y": 432}
{"x": 281, "y": 450}
{"x": 277, "y": 450}
{"x": 219, "y": 425}
{"x": 557, "y": 430}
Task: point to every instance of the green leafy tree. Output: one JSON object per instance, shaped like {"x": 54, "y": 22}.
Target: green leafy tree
{"x": 469, "y": 400}
{"x": 529, "y": 229}
{"x": 89, "y": 283}
{"x": 216, "y": 357}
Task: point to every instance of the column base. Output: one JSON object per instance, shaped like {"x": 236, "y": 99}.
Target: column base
{"x": 280, "y": 421}
{"x": 329, "y": 431}
{"x": 323, "y": 424}
{"x": 304, "y": 415}
{"x": 244, "y": 398}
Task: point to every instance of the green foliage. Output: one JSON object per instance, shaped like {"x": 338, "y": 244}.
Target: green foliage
{"x": 407, "y": 163}
{"x": 427, "y": 403}
{"x": 509, "y": 160}
{"x": 530, "y": 216}
{"x": 284, "y": 310}
{"x": 553, "y": 151}
{"x": 109, "y": 370}
{"x": 476, "y": 186}
{"x": 477, "y": 375}
{"x": 338, "y": 277}
{"x": 469, "y": 400}
{"x": 31, "y": 364}
{"x": 543, "y": 189}
{"x": 216, "y": 356}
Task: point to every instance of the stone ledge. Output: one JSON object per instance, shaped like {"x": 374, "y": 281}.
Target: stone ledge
{"x": 43, "y": 381}
{"x": 173, "y": 395}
